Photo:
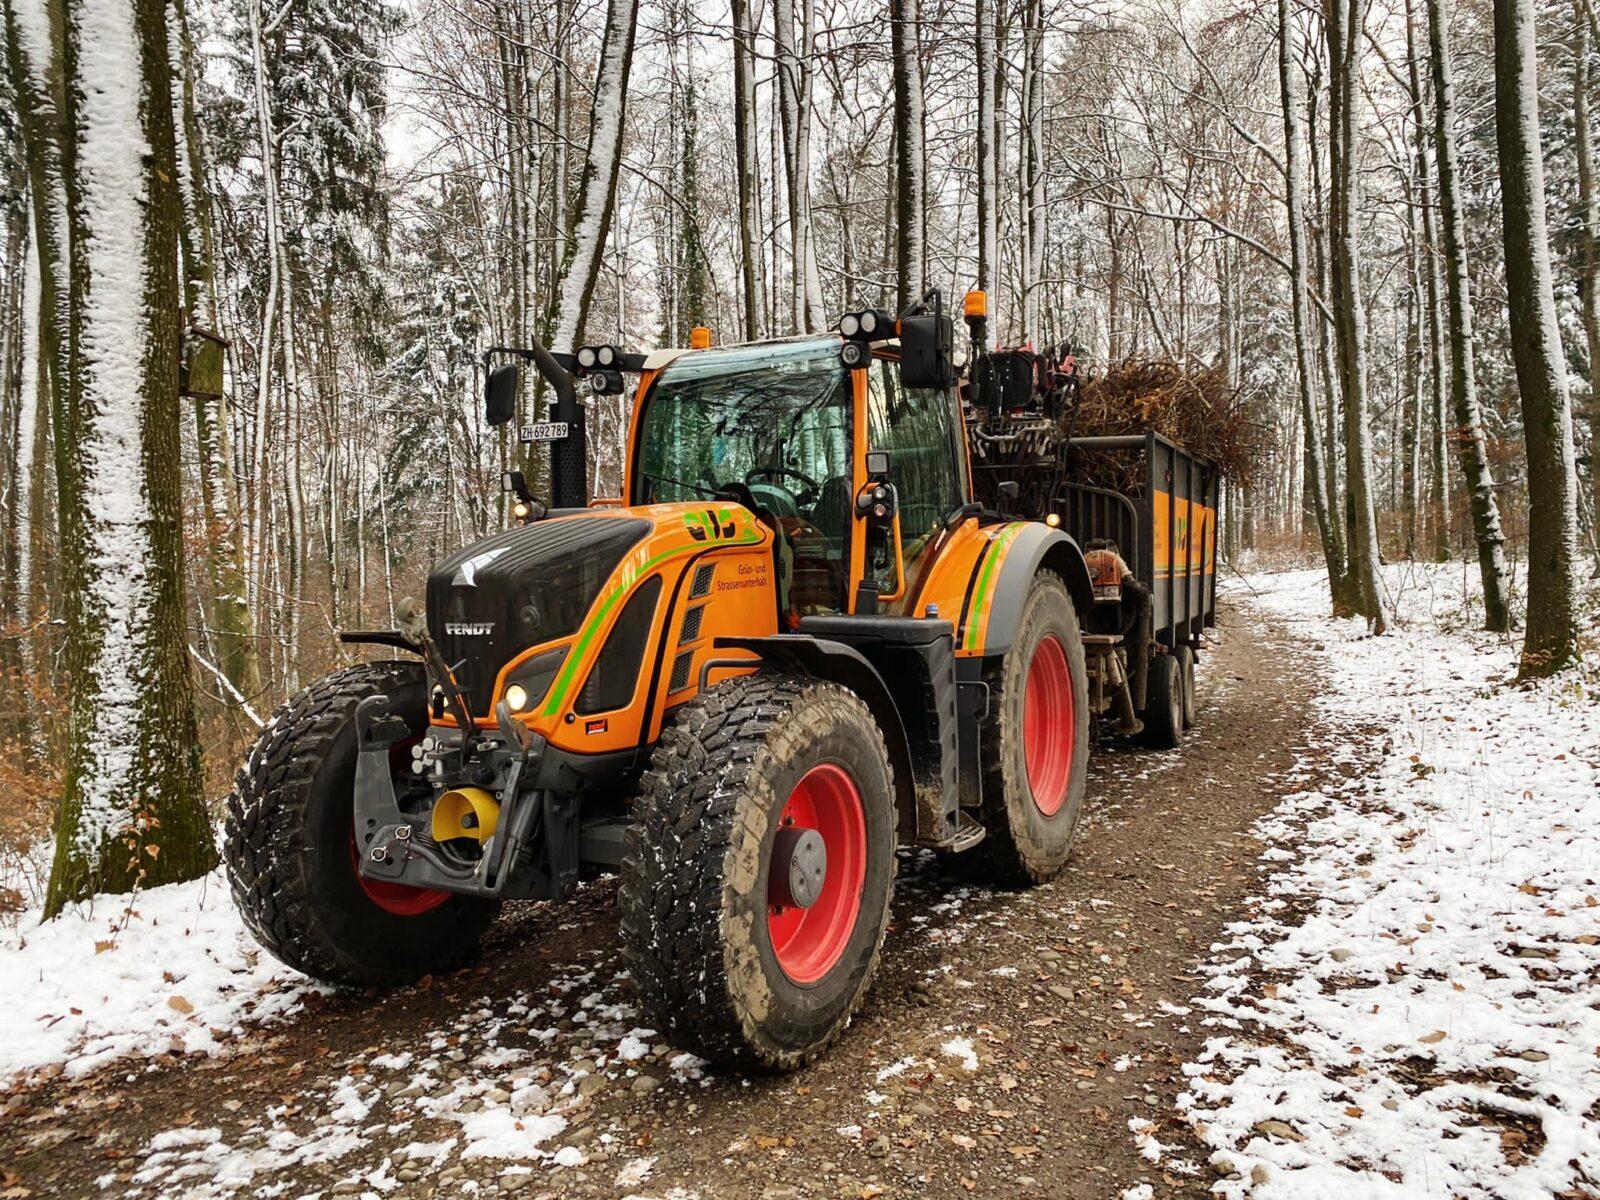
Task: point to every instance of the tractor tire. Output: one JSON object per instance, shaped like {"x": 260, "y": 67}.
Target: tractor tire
{"x": 290, "y": 848}
{"x": 1163, "y": 712}
{"x": 724, "y": 966}
{"x": 1191, "y": 703}
{"x": 1035, "y": 744}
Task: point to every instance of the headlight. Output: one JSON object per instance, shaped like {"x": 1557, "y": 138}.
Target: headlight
{"x": 849, "y": 325}
{"x": 586, "y": 357}
{"x": 605, "y": 355}
{"x": 530, "y": 680}
{"x": 869, "y": 322}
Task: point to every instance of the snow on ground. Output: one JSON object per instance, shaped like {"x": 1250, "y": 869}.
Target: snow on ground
{"x": 1413, "y": 1010}
{"x": 500, "y": 1081}
{"x": 171, "y": 968}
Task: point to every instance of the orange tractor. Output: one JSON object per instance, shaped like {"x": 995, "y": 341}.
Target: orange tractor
{"x": 800, "y": 640}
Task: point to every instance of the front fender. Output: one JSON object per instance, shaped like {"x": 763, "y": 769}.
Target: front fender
{"x": 1018, "y": 552}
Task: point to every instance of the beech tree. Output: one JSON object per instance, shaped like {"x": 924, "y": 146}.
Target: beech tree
{"x": 95, "y": 88}
{"x": 1552, "y": 636}
{"x": 1472, "y": 445}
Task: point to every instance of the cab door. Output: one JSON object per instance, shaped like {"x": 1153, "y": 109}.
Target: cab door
{"x": 918, "y": 429}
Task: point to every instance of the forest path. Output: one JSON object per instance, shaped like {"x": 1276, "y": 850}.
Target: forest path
{"x": 1007, "y": 1043}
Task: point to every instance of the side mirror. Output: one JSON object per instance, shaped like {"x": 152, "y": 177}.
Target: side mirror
{"x": 500, "y": 394}
{"x": 927, "y": 351}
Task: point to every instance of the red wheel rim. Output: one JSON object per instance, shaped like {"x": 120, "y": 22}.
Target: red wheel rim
{"x": 1049, "y": 726}
{"x": 809, "y": 942}
{"x": 395, "y": 898}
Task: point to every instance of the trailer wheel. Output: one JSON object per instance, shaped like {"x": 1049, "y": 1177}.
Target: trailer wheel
{"x": 289, "y": 844}
{"x": 758, "y": 870}
{"x": 1163, "y": 713}
{"x": 1035, "y": 749}
{"x": 1191, "y": 703}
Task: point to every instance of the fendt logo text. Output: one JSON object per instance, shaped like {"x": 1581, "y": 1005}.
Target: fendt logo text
{"x": 469, "y": 628}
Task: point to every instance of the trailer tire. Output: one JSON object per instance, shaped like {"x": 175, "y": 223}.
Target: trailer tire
{"x": 722, "y": 967}
{"x": 1191, "y": 703}
{"x": 289, "y": 846}
{"x": 1163, "y": 711}
{"x": 1033, "y": 776}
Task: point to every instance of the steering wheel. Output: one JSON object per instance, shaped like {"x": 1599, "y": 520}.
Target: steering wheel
{"x": 804, "y": 498}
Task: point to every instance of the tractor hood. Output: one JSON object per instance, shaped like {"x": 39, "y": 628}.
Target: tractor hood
{"x": 495, "y": 598}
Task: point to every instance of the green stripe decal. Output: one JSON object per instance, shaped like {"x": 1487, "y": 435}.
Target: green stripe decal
{"x": 591, "y": 628}
{"x": 986, "y": 581}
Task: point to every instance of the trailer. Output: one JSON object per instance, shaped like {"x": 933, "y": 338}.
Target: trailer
{"x": 1141, "y": 507}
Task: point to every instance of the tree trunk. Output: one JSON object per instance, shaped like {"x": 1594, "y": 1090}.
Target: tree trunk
{"x": 746, "y": 159}
{"x": 1589, "y": 239}
{"x": 988, "y": 171}
{"x": 793, "y": 74}
{"x": 905, "y": 27}
{"x": 1468, "y": 434}
{"x": 229, "y": 610}
{"x": 1552, "y": 635}
{"x": 597, "y": 186}
{"x": 133, "y": 811}
{"x": 1344, "y": 36}
{"x": 1035, "y": 202}
{"x": 1289, "y": 87}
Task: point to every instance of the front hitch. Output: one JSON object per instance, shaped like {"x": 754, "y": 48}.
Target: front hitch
{"x": 394, "y": 850}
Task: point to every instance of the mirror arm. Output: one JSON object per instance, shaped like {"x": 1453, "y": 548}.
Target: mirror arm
{"x": 548, "y": 366}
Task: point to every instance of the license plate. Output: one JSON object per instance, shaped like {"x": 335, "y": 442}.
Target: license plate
{"x": 544, "y": 431}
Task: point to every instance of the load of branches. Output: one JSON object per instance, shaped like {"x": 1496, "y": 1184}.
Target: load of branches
{"x": 1193, "y": 404}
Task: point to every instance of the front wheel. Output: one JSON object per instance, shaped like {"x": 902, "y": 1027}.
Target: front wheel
{"x": 1035, "y": 748}
{"x": 759, "y": 865}
{"x": 290, "y": 845}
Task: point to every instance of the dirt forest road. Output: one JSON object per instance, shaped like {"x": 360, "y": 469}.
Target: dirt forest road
{"x": 1008, "y": 1041}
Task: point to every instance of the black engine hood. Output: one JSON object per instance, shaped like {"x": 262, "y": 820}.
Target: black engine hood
{"x": 492, "y": 600}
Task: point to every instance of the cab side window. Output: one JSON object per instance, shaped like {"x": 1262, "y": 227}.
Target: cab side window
{"x": 916, "y": 427}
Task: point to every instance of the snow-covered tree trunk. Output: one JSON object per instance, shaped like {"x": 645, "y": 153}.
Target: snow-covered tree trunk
{"x": 1552, "y": 634}
{"x": 1588, "y": 233}
{"x": 910, "y": 159}
{"x": 1289, "y": 92}
{"x": 597, "y": 185}
{"x": 1468, "y": 434}
{"x": 1345, "y": 39}
{"x": 746, "y": 152}
{"x": 133, "y": 811}
{"x": 258, "y": 552}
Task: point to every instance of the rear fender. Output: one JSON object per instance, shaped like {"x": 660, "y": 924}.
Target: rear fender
{"x": 819, "y": 658}
{"x": 1018, "y": 552}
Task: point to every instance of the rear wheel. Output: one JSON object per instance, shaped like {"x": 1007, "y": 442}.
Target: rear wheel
{"x": 1163, "y": 713}
{"x": 1191, "y": 704}
{"x": 756, "y": 883}
{"x": 1035, "y": 743}
{"x": 290, "y": 845}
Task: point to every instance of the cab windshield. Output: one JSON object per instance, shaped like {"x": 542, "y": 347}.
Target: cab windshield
{"x": 774, "y": 418}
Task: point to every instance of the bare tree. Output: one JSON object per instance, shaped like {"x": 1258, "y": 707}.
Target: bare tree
{"x": 1552, "y": 635}
{"x": 1294, "y": 188}
{"x": 1345, "y": 38}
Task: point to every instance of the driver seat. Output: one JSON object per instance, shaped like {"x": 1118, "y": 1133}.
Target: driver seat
{"x": 831, "y": 515}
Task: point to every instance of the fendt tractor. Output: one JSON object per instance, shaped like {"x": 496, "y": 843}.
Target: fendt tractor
{"x": 843, "y": 606}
